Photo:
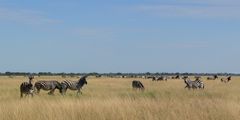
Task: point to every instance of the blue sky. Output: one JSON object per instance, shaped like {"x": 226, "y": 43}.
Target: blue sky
{"x": 120, "y": 36}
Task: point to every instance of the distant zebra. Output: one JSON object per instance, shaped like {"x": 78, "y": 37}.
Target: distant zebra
{"x": 212, "y": 78}
{"x": 151, "y": 77}
{"x": 184, "y": 77}
{"x": 154, "y": 78}
{"x": 48, "y": 85}
{"x": 176, "y": 77}
{"x": 27, "y": 87}
{"x": 194, "y": 84}
{"x": 137, "y": 85}
{"x": 73, "y": 85}
{"x": 197, "y": 77}
{"x": 226, "y": 80}
{"x": 161, "y": 78}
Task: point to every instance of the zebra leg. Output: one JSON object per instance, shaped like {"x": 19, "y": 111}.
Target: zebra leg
{"x": 21, "y": 94}
{"x": 51, "y": 92}
{"x": 38, "y": 91}
{"x": 31, "y": 94}
{"x": 64, "y": 91}
{"x": 79, "y": 92}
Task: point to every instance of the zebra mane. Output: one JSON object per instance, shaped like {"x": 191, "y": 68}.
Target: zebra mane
{"x": 83, "y": 78}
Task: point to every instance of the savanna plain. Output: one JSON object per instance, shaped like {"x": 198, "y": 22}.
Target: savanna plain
{"x": 114, "y": 99}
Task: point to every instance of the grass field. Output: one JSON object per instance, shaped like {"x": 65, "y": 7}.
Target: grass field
{"x": 114, "y": 99}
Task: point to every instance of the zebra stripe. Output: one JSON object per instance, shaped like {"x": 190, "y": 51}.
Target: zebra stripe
{"x": 137, "y": 85}
{"x": 48, "y": 85}
{"x": 73, "y": 85}
{"x": 194, "y": 84}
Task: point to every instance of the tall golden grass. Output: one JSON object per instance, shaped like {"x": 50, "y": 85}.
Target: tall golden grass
{"x": 114, "y": 99}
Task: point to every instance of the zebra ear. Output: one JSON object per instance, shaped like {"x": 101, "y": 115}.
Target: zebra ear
{"x": 31, "y": 77}
{"x": 85, "y": 76}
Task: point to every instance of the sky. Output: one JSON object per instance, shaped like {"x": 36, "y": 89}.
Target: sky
{"x": 120, "y": 36}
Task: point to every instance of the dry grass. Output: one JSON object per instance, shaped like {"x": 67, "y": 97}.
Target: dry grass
{"x": 114, "y": 99}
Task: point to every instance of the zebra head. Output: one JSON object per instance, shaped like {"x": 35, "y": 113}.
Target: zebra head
{"x": 83, "y": 80}
{"x": 229, "y": 78}
{"x": 30, "y": 77}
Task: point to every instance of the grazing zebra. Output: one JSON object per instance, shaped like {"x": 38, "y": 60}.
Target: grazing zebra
{"x": 212, "y": 78}
{"x": 48, "y": 85}
{"x": 73, "y": 85}
{"x": 197, "y": 77}
{"x": 176, "y": 77}
{"x": 226, "y": 80}
{"x": 150, "y": 77}
{"x": 194, "y": 84}
{"x": 27, "y": 87}
{"x": 184, "y": 77}
{"x": 161, "y": 78}
{"x": 154, "y": 78}
{"x": 137, "y": 85}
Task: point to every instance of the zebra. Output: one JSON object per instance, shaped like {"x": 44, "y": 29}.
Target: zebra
{"x": 185, "y": 77}
{"x": 176, "y": 77}
{"x": 194, "y": 84}
{"x": 73, "y": 85}
{"x": 161, "y": 78}
{"x": 154, "y": 78}
{"x": 212, "y": 78}
{"x": 226, "y": 80}
{"x": 137, "y": 85}
{"x": 48, "y": 85}
{"x": 197, "y": 77}
{"x": 27, "y": 87}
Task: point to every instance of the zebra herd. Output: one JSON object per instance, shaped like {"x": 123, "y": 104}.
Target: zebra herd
{"x": 28, "y": 88}
{"x": 196, "y": 84}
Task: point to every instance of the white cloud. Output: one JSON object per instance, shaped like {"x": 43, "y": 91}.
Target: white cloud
{"x": 24, "y": 16}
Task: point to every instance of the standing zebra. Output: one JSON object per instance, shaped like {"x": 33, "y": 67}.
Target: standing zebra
{"x": 212, "y": 78}
{"x": 226, "y": 80}
{"x": 137, "y": 85}
{"x": 185, "y": 77}
{"x": 161, "y": 78}
{"x": 27, "y": 87}
{"x": 194, "y": 84}
{"x": 197, "y": 77}
{"x": 73, "y": 85}
{"x": 176, "y": 77}
{"x": 48, "y": 85}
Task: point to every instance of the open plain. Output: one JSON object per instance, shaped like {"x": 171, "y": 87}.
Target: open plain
{"x": 114, "y": 99}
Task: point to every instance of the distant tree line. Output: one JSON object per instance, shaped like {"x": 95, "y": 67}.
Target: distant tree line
{"x": 114, "y": 74}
